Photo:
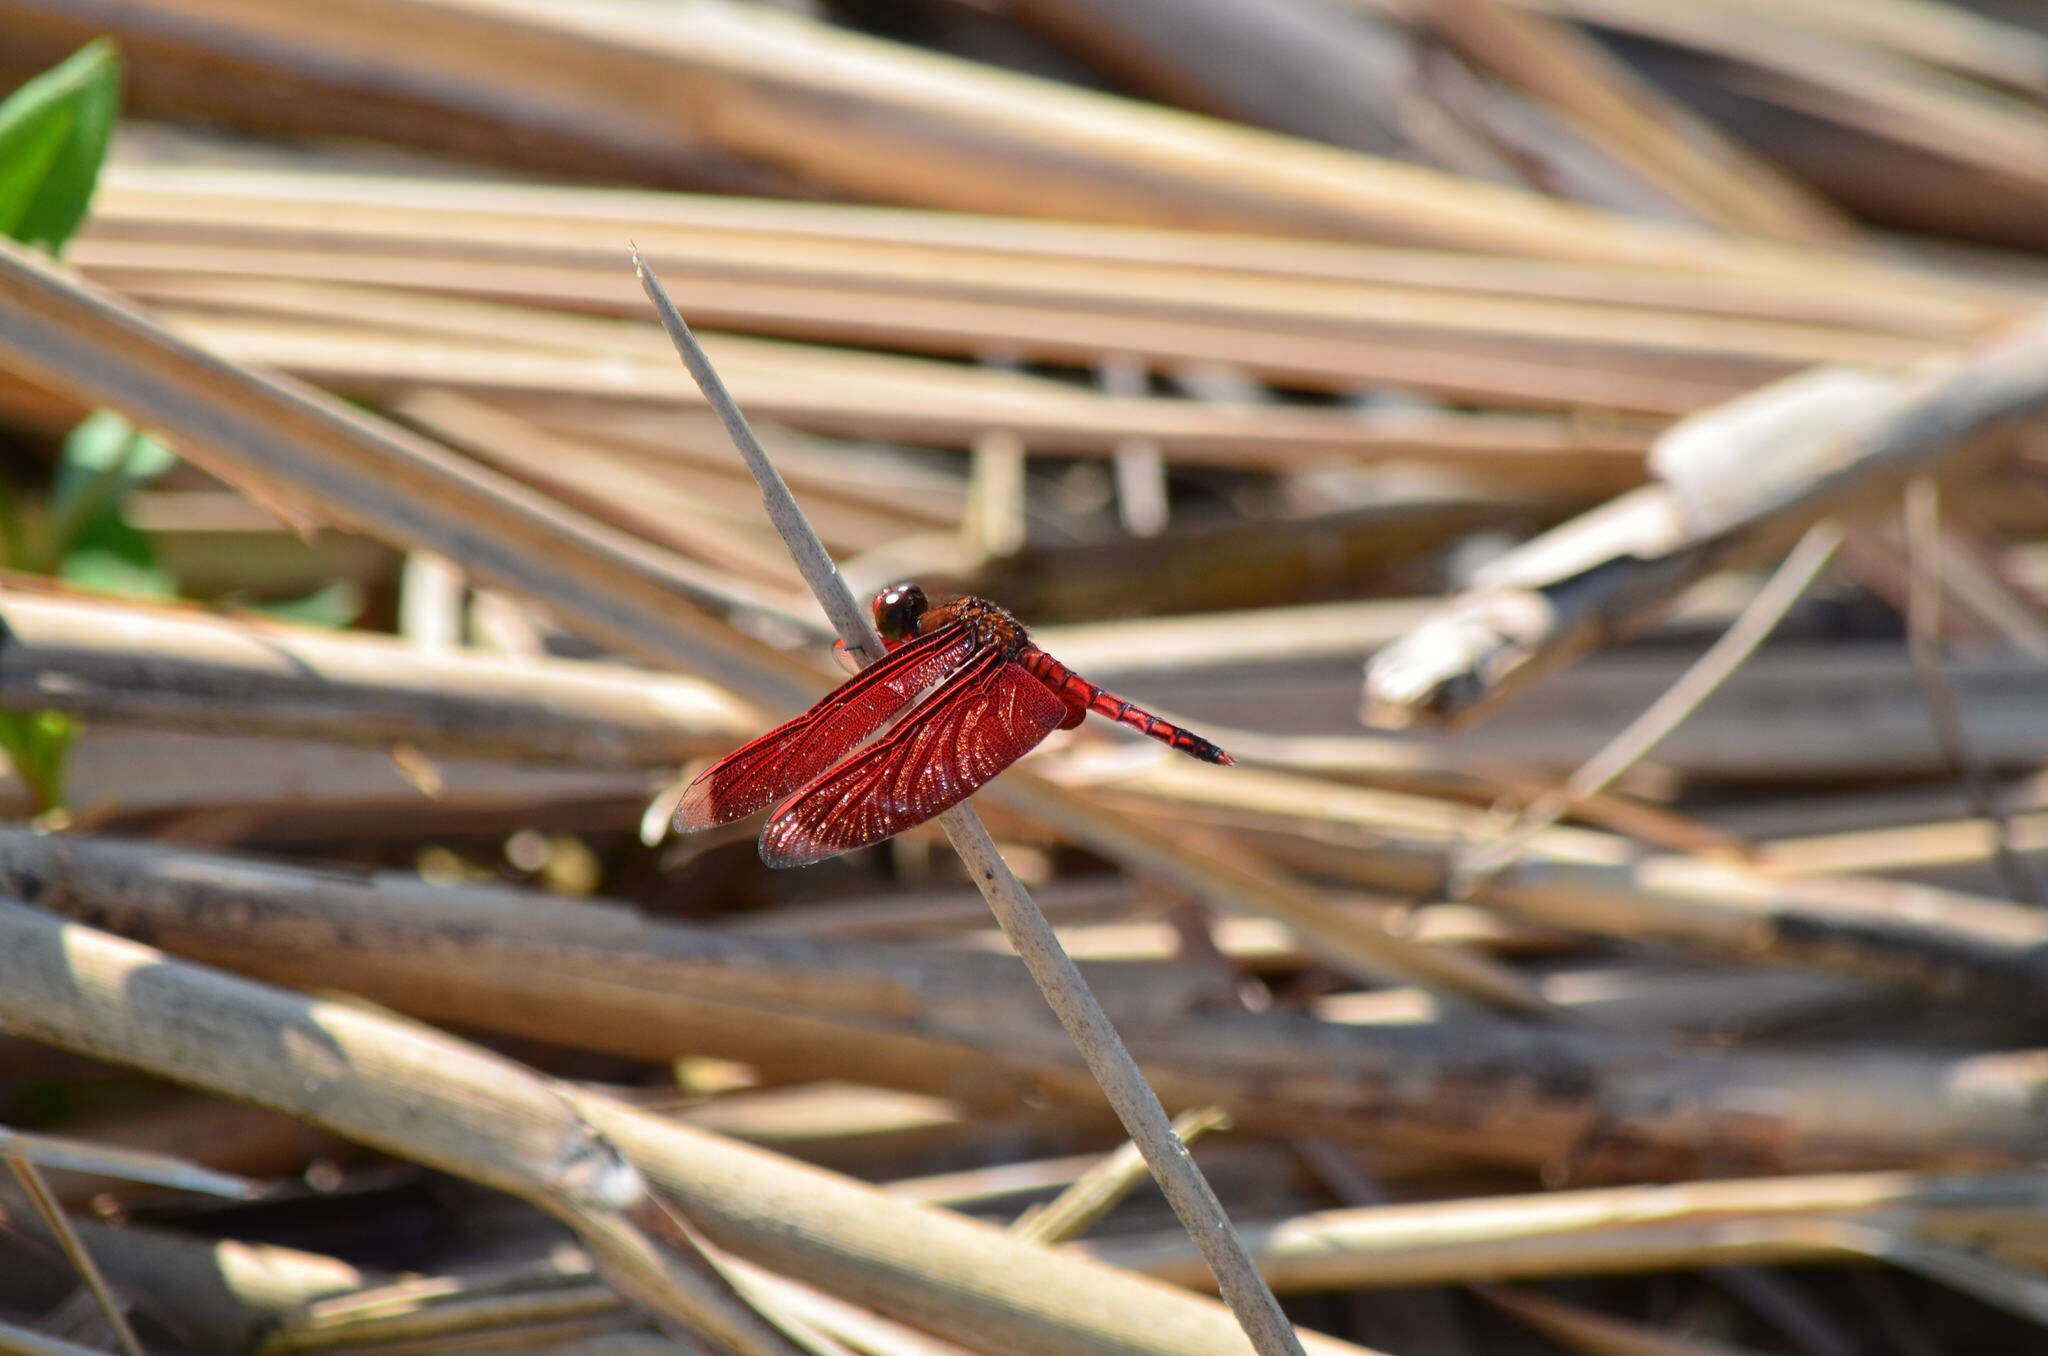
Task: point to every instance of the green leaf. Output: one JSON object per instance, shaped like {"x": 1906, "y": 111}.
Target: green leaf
{"x": 16, "y": 552}
{"x": 53, "y": 138}
{"x": 123, "y": 562}
{"x": 38, "y": 746}
{"x": 331, "y": 606}
{"x": 105, "y": 447}
{"x": 88, "y": 539}
{"x": 26, "y": 155}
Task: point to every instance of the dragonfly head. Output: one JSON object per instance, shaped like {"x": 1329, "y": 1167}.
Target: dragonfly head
{"x": 897, "y": 610}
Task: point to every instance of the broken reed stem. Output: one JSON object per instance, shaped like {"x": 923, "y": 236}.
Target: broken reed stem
{"x": 1030, "y": 935}
{"x": 1751, "y": 627}
{"x": 1923, "y": 647}
{"x": 47, "y": 1205}
{"x": 1104, "y": 1186}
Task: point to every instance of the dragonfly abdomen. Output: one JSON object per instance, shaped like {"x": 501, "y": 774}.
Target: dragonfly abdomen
{"x": 1082, "y": 695}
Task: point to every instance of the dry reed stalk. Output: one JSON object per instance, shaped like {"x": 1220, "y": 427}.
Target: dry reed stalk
{"x": 1617, "y": 1229}
{"x": 911, "y": 496}
{"x": 231, "y": 789}
{"x": 1329, "y": 336}
{"x": 218, "y": 1142}
{"x": 1235, "y": 882}
{"x": 192, "y": 670}
{"x": 1823, "y": 444}
{"x": 1254, "y": 1168}
{"x": 1261, "y": 945}
{"x": 771, "y": 89}
{"x": 384, "y": 1083}
{"x": 1158, "y": 647}
{"x": 859, "y": 1329}
{"x": 664, "y": 499}
{"x": 311, "y": 456}
{"x": 1721, "y": 1003}
{"x": 665, "y": 507}
{"x": 556, "y": 1305}
{"x": 1857, "y": 84}
{"x": 430, "y": 593}
{"x": 441, "y": 1314}
{"x": 1946, "y": 943}
{"x": 176, "y": 897}
{"x": 433, "y": 1099}
{"x": 931, "y": 253}
{"x": 869, "y": 395}
{"x": 1927, "y": 846}
{"x": 1684, "y": 157}
{"x": 1066, "y": 992}
{"x": 1804, "y": 713}
{"x": 222, "y": 1295}
{"x": 971, "y": 1027}
{"x": 1305, "y": 69}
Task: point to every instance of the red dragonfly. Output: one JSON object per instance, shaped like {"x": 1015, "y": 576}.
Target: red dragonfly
{"x": 992, "y": 696}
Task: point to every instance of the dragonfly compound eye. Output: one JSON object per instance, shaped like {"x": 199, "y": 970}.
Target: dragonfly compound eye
{"x": 897, "y": 609}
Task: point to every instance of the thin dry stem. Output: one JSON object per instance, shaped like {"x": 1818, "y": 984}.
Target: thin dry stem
{"x": 1923, "y": 645}
{"x": 73, "y": 1155}
{"x": 1643, "y": 734}
{"x": 1033, "y": 938}
{"x": 47, "y": 1206}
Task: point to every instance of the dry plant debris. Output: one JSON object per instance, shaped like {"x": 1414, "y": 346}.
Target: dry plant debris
{"x": 1407, "y": 393}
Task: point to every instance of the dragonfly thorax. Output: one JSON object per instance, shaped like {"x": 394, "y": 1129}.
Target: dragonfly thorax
{"x": 993, "y": 628}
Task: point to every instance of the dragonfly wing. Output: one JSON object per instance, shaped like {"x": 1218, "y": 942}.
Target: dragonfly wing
{"x": 981, "y": 720}
{"x": 756, "y": 775}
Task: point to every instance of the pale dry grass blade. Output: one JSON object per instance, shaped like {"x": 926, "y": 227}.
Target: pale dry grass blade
{"x": 1609, "y": 1230}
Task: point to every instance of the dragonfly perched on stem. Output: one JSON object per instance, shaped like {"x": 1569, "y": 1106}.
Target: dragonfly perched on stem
{"x": 990, "y": 696}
